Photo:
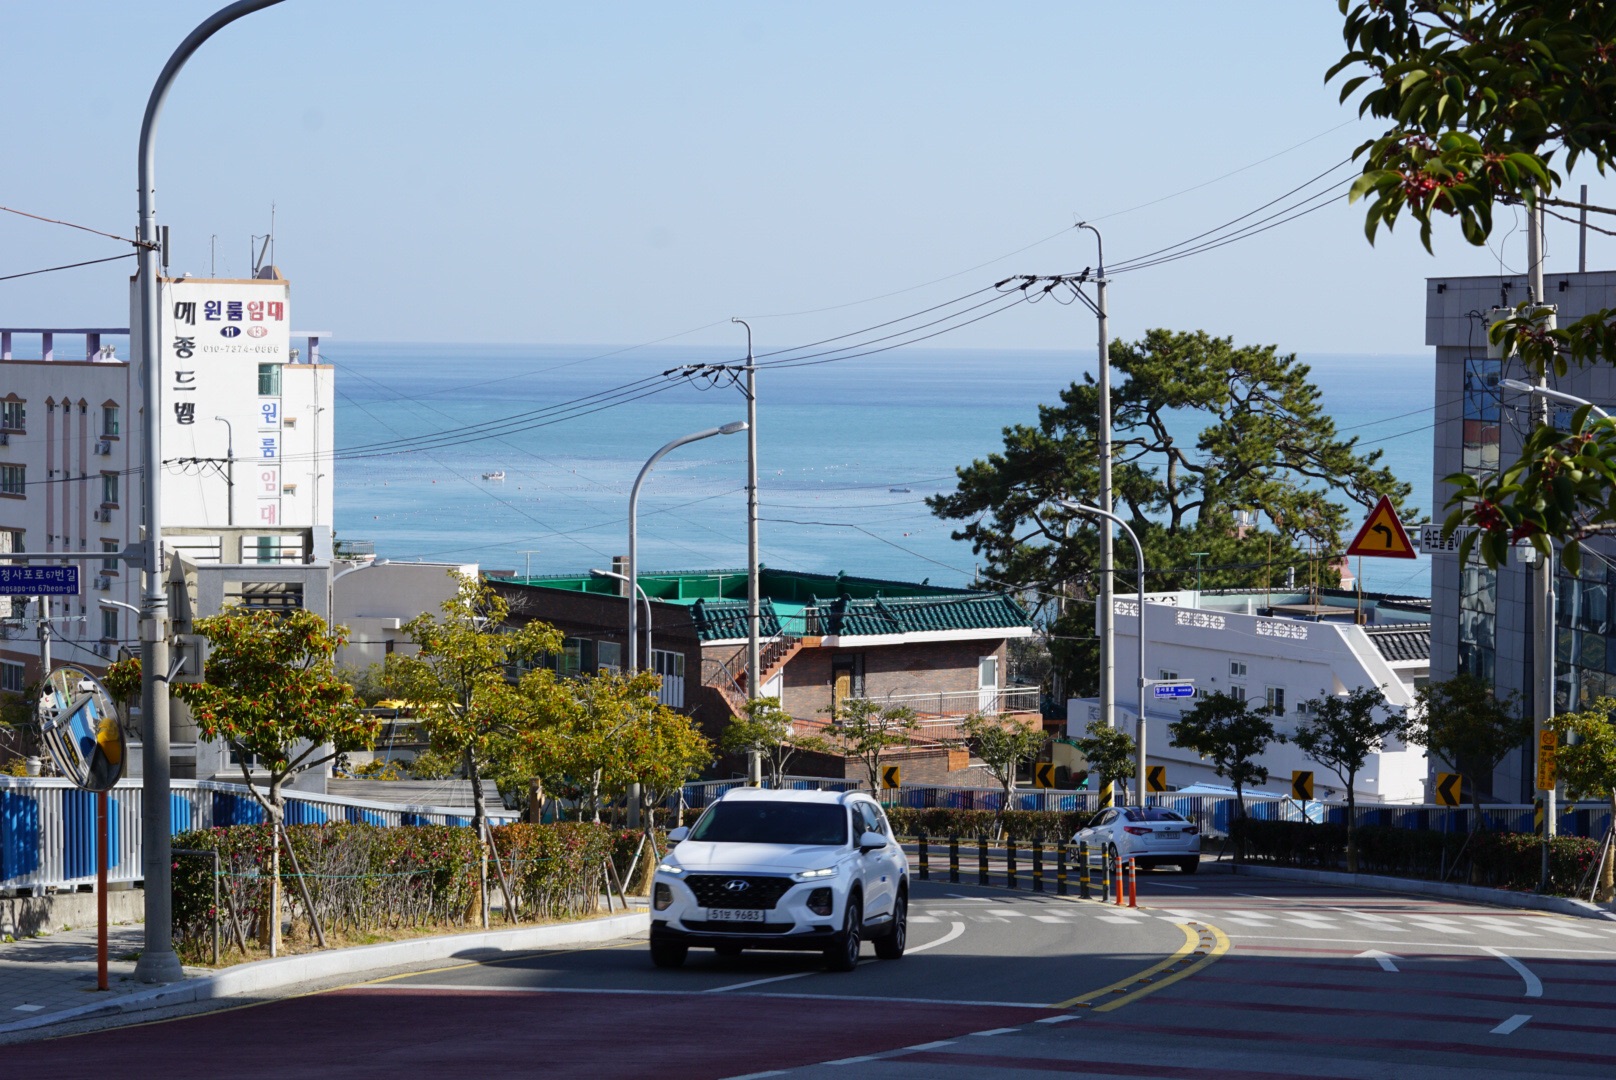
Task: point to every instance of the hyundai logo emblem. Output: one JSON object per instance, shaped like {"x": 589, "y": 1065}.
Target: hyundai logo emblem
{"x": 737, "y": 885}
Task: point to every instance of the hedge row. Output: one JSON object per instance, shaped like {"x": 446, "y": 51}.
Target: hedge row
{"x": 941, "y": 822}
{"x": 363, "y": 879}
{"x": 1502, "y": 860}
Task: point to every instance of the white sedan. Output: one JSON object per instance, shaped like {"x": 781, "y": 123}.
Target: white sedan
{"x": 1150, "y": 835}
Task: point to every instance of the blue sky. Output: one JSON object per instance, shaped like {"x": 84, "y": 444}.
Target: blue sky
{"x": 544, "y": 172}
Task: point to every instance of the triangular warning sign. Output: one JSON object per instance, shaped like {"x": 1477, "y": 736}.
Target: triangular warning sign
{"x": 1382, "y": 535}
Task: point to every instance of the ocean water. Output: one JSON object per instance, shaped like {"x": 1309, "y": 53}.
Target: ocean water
{"x": 847, "y": 453}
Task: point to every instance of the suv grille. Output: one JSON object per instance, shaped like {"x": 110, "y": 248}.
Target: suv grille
{"x": 725, "y": 891}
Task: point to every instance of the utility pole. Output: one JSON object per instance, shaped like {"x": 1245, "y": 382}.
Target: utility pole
{"x": 44, "y": 637}
{"x": 1108, "y": 621}
{"x": 1582, "y": 233}
{"x": 527, "y": 562}
{"x": 1543, "y": 568}
{"x": 754, "y": 663}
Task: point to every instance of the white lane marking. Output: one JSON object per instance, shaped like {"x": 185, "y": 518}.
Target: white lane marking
{"x": 1385, "y": 960}
{"x": 1367, "y": 916}
{"x": 1011, "y": 911}
{"x": 929, "y": 1046}
{"x": 1250, "y": 914}
{"x": 1258, "y": 896}
{"x": 1312, "y": 924}
{"x": 997, "y": 1031}
{"x": 1153, "y": 884}
{"x": 1244, "y": 921}
{"x": 861, "y": 1059}
{"x": 920, "y": 919}
{"x": 759, "y": 982}
{"x": 1607, "y": 953}
{"x": 1510, "y": 931}
{"x": 1511, "y": 1024}
{"x": 28, "y": 1008}
{"x": 954, "y": 931}
{"x": 1123, "y": 920}
{"x": 1431, "y": 922}
{"x": 1534, "y": 987}
{"x": 1050, "y": 919}
{"x": 987, "y": 918}
{"x": 1555, "y": 928}
{"x": 1057, "y": 1019}
{"x": 1182, "y": 913}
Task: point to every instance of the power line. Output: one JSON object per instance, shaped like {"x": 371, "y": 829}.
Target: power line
{"x": 66, "y": 266}
{"x": 82, "y": 228}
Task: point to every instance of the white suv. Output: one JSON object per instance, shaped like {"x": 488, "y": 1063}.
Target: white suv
{"x": 762, "y": 869}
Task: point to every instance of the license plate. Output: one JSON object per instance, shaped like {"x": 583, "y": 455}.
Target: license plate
{"x": 743, "y": 915}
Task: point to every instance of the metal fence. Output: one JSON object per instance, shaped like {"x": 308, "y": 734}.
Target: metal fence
{"x": 47, "y": 826}
{"x": 701, "y": 792}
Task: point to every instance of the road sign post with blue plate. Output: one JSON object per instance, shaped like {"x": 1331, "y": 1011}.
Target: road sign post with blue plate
{"x": 39, "y": 581}
{"x": 1167, "y": 690}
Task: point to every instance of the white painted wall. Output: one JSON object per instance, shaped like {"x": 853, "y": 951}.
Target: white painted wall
{"x": 374, "y": 599}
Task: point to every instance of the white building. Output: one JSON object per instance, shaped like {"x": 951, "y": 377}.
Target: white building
{"x": 375, "y": 598}
{"x": 1284, "y": 648}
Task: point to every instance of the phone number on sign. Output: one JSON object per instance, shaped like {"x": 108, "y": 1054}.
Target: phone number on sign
{"x": 265, "y": 349}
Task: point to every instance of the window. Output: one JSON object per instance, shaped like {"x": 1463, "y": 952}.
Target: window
{"x": 1276, "y": 700}
{"x": 1305, "y": 708}
{"x": 11, "y": 540}
{"x": 772, "y": 821}
{"x": 1237, "y": 692}
{"x": 109, "y": 489}
{"x": 110, "y": 566}
{"x": 869, "y": 818}
{"x": 13, "y": 677}
{"x": 13, "y": 416}
{"x": 609, "y": 656}
{"x": 269, "y": 380}
{"x": 109, "y": 420}
{"x": 570, "y": 661}
{"x": 668, "y": 664}
{"x": 13, "y": 480}
{"x": 1168, "y": 676}
{"x": 109, "y": 624}
{"x": 1237, "y": 669}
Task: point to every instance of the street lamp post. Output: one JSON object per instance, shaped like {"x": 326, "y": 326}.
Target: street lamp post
{"x": 1144, "y": 683}
{"x": 158, "y": 961}
{"x": 645, "y": 602}
{"x": 754, "y": 663}
{"x": 229, "y": 472}
{"x": 633, "y": 568}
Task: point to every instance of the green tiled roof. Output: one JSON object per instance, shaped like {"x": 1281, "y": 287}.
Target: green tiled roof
{"x": 915, "y": 615}
{"x": 717, "y": 620}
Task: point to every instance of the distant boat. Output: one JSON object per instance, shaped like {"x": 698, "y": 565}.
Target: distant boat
{"x": 901, "y": 490}
{"x": 497, "y": 474}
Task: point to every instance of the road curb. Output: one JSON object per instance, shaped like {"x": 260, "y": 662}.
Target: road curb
{"x": 1559, "y": 905}
{"x": 261, "y": 975}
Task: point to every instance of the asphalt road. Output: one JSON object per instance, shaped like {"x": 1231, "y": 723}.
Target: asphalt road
{"x": 1214, "y": 976}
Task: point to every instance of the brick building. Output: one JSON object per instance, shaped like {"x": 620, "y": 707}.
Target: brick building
{"x": 827, "y": 639}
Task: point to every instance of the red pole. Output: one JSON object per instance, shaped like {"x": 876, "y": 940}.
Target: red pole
{"x": 1121, "y": 886}
{"x": 1133, "y": 884}
{"x": 101, "y": 890}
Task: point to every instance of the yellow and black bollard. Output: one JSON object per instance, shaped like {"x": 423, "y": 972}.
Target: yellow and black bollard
{"x": 1083, "y": 870}
{"x": 1105, "y": 879}
{"x": 981, "y": 860}
{"x": 1010, "y": 863}
{"x": 1060, "y": 868}
{"x": 953, "y": 858}
{"x": 1038, "y": 863}
{"x": 925, "y": 862}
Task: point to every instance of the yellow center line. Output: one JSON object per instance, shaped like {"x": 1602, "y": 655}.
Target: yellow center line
{"x": 1191, "y": 939}
{"x": 1220, "y": 947}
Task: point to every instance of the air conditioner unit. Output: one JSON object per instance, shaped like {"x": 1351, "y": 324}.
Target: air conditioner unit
{"x": 104, "y": 447}
{"x": 102, "y": 649}
{"x": 104, "y": 514}
{"x": 103, "y": 582}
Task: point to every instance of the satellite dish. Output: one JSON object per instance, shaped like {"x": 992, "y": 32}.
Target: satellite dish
{"x": 80, "y": 725}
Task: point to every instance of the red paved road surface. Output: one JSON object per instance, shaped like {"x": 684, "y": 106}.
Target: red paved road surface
{"x": 396, "y": 1033}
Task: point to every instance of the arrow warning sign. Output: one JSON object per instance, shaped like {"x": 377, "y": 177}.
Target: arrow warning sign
{"x": 1383, "y": 535}
{"x": 1043, "y": 774}
{"x": 1449, "y": 788}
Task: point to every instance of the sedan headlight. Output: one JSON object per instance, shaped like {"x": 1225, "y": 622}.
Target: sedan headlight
{"x": 669, "y": 868}
{"x": 815, "y": 875}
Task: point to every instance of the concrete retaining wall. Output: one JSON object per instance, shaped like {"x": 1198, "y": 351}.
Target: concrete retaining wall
{"x": 24, "y": 916}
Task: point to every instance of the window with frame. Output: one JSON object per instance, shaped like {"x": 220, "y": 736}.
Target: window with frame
{"x": 13, "y": 479}
{"x": 109, "y": 624}
{"x": 269, "y": 380}
{"x": 109, "y": 420}
{"x": 11, "y": 541}
{"x": 1168, "y": 676}
{"x": 1237, "y": 669}
{"x": 1237, "y": 692}
{"x": 13, "y": 415}
{"x": 110, "y": 565}
{"x": 1276, "y": 700}
{"x": 13, "y": 677}
{"x": 109, "y": 489}
{"x": 608, "y": 656}
{"x": 668, "y": 663}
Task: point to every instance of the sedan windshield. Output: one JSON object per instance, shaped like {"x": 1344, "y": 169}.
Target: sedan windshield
{"x": 1153, "y": 813}
{"x": 773, "y": 821}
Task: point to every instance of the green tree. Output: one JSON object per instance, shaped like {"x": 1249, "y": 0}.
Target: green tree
{"x": 1340, "y": 733}
{"x": 769, "y": 730}
{"x": 1112, "y": 755}
{"x": 1586, "y": 763}
{"x": 1483, "y": 103}
{"x": 458, "y": 684}
{"x": 1462, "y": 721}
{"x": 272, "y": 693}
{"x": 1260, "y": 442}
{"x": 1231, "y": 733}
{"x": 1003, "y": 743}
{"x": 862, "y": 729}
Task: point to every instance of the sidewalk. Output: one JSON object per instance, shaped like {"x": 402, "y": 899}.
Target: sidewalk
{"x": 53, "y": 973}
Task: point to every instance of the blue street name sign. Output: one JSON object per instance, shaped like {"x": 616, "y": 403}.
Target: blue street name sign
{"x": 1174, "y": 690}
{"x": 39, "y": 581}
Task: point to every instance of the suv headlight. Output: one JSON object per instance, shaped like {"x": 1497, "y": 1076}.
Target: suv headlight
{"x": 815, "y": 875}
{"x": 669, "y": 868}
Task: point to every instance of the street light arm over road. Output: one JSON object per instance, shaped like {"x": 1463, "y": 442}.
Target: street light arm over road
{"x": 1519, "y": 387}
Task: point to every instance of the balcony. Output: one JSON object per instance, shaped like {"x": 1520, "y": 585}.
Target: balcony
{"x": 960, "y": 703}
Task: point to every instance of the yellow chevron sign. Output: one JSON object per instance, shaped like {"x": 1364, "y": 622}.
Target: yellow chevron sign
{"x": 1302, "y": 785}
{"x": 1449, "y": 788}
{"x": 1043, "y": 774}
{"x": 891, "y": 776}
{"x": 1156, "y": 777}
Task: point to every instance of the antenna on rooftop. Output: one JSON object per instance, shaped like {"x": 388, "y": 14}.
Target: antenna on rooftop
{"x": 257, "y": 251}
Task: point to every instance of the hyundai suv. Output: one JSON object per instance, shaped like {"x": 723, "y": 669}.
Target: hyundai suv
{"x": 803, "y": 870}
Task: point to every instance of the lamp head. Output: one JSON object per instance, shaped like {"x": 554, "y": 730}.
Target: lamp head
{"x": 732, "y": 427}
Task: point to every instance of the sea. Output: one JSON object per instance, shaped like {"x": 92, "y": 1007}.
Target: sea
{"x": 848, "y": 453}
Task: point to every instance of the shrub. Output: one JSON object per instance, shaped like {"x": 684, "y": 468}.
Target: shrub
{"x": 1021, "y": 825}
